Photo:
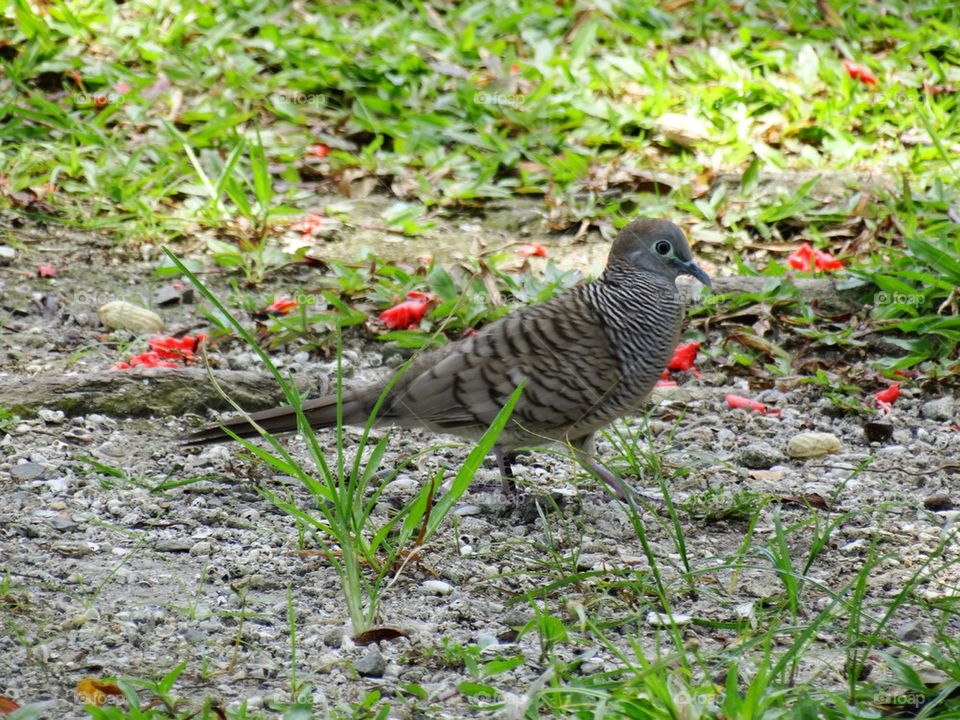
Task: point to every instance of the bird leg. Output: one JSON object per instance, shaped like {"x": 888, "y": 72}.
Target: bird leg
{"x": 612, "y": 481}
{"x": 505, "y": 462}
{"x": 584, "y": 450}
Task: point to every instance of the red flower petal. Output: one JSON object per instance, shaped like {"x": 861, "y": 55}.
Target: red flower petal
{"x": 409, "y": 313}
{"x": 318, "y": 151}
{"x": 738, "y": 401}
{"x": 146, "y": 360}
{"x": 801, "y": 258}
{"x": 825, "y": 261}
{"x": 888, "y": 395}
{"x": 807, "y": 259}
{"x": 47, "y": 270}
{"x": 309, "y": 225}
{"x": 532, "y": 250}
{"x": 281, "y": 306}
{"x": 859, "y": 72}
{"x": 684, "y": 356}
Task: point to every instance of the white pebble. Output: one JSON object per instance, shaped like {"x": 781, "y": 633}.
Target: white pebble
{"x": 438, "y": 587}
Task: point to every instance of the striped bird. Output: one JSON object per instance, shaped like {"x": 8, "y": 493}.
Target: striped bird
{"x": 588, "y": 357}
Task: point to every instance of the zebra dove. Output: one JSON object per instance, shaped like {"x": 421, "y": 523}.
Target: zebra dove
{"x": 588, "y": 356}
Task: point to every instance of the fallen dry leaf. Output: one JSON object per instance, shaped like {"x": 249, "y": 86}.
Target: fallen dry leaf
{"x": 95, "y": 692}
{"x": 7, "y": 705}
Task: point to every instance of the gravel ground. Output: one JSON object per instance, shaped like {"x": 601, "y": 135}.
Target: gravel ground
{"x": 102, "y": 577}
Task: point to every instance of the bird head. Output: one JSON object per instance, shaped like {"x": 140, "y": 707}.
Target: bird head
{"x": 656, "y": 246}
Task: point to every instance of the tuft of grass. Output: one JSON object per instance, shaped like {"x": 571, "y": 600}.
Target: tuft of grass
{"x": 346, "y": 493}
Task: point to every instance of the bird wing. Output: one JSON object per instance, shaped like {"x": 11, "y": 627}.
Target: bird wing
{"x": 560, "y": 348}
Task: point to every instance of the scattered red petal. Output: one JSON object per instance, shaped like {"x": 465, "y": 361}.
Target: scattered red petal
{"x": 886, "y": 397}
{"x": 859, "y": 72}
{"x": 807, "y": 258}
{"x": 172, "y": 348}
{"x": 47, "y": 270}
{"x": 318, "y": 151}
{"x": 280, "y": 306}
{"x": 410, "y": 312}
{"x": 7, "y": 705}
{"x": 514, "y": 69}
{"x": 145, "y": 360}
{"x": 737, "y": 401}
{"x": 665, "y": 383}
{"x": 177, "y": 285}
{"x": 684, "y": 356}
{"x": 425, "y": 259}
{"x": 532, "y": 250}
{"x": 309, "y": 225}
{"x": 469, "y": 332}
{"x": 165, "y": 352}
{"x": 122, "y": 87}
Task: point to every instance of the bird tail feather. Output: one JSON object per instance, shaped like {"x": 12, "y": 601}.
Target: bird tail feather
{"x": 320, "y": 413}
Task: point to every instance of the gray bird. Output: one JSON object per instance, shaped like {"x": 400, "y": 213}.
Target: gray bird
{"x": 588, "y": 357}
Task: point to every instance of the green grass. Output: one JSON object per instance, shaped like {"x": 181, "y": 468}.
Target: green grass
{"x": 154, "y": 122}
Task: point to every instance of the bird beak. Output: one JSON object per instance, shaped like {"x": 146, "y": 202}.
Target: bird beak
{"x": 690, "y": 267}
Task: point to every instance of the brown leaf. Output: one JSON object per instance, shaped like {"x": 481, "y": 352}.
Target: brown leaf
{"x": 94, "y": 692}
{"x": 376, "y": 634}
{"x": 814, "y": 500}
{"x": 748, "y": 339}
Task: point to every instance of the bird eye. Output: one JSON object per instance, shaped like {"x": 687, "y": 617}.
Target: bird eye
{"x": 662, "y": 247}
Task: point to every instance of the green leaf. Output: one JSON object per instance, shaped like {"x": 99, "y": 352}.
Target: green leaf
{"x": 473, "y": 689}
{"x": 748, "y": 183}
{"x": 943, "y": 260}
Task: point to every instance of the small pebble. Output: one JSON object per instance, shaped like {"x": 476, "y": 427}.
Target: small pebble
{"x": 201, "y": 548}
{"x": 759, "y": 456}
{"x": 372, "y": 663}
{"x": 437, "y": 587}
{"x": 938, "y": 502}
{"x": 54, "y": 417}
{"x": 812, "y": 444}
{"x": 25, "y": 472}
{"x": 941, "y": 409}
{"x": 658, "y": 619}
